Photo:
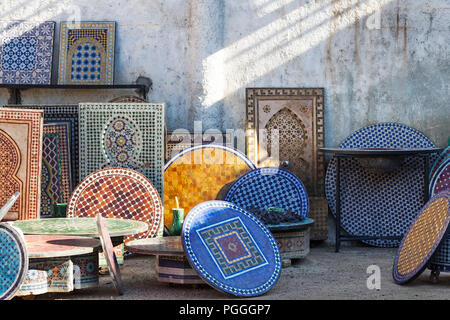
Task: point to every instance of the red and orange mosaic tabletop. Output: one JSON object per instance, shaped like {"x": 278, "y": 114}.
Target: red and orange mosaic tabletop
{"x": 118, "y": 193}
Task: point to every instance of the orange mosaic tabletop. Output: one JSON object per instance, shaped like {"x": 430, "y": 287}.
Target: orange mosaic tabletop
{"x": 118, "y": 193}
{"x": 199, "y": 174}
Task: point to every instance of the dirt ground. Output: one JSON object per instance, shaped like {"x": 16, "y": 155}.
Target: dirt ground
{"x": 323, "y": 274}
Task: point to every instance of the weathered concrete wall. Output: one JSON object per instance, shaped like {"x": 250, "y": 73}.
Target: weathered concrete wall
{"x": 379, "y": 60}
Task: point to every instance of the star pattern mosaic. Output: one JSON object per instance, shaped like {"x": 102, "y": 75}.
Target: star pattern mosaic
{"x": 26, "y": 51}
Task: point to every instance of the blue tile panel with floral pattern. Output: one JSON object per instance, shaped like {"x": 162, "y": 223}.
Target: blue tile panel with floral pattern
{"x": 26, "y": 52}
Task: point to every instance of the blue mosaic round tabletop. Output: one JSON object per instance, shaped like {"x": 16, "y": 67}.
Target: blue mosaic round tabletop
{"x": 269, "y": 187}
{"x": 13, "y": 261}
{"x": 424, "y": 236}
{"x": 441, "y": 178}
{"x": 379, "y": 202}
{"x": 231, "y": 249}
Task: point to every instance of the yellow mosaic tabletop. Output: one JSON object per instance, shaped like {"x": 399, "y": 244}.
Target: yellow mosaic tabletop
{"x": 424, "y": 236}
{"x": 199, "y": 174}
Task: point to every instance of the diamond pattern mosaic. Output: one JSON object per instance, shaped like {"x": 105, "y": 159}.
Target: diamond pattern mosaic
{"x": 374, "y": 202}
{"x": 269, "y": 187}
{"x": 422, "y": 239}
{"x": 118, "y": 193}
{"x": 125, "y": 135}
{"x": 56, "y": 171}
{"x": 20, "y": 161}
{"x": 62, "y": 114}
{"x": 231, "y": 249}
{"x": 26, "y": 51}
{"x": 87, "y": 53}
{"x": 199, "y": 174}
{"x": 13, "y": 261}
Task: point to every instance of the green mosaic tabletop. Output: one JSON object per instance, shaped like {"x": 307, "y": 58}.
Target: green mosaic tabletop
{"x": 80, "y": 226}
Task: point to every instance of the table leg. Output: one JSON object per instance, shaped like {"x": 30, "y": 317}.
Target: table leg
{"x": 338, "y": 204}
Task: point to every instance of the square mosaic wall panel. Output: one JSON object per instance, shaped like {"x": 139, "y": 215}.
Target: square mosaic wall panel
{"x": 124, "y": 135}
{"x": 20, "y": 161}
{"x": 86, "y": 54}
{"x": 295, "y": 116}
{"x": 62, "y": 114}
{"x": 56, "y": 173}
{"x": 26, "y": 51}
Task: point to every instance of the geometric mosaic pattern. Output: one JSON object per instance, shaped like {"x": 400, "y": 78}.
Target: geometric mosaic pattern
{"x": 292, "y": 121}
{"x": 441, "y": 178}
{"x": 442, "y": 157}
{"x": 118, "y": 193}
{"x": 199, "y": 174}
{"x": 26, "y": 51}
{"x": 20, "y": 161}
{"x": 87, "y": 53}
{"x": 231, "y": 249}
{"x": 13, "y": 261}
{"x": 269, "y": 187}
{"x": 124, "y": 135}
{"x": 56, "y": 173}
{"x": 62, "y": 114}
{"x": 379, "y": 202}
{"x": 422, "y": 239}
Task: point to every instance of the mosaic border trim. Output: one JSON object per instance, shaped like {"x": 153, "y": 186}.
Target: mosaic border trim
{"x": 235, "y": 152}
{"x": 63, "y": 49}
{"x": 252, "y": 129}
{"x": 193, "y": 260}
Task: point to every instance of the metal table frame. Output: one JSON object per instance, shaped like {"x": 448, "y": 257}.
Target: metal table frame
{"x": 361, "y": 153}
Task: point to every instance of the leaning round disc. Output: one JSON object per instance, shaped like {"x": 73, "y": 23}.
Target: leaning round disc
{"x": 442, "y": 157}
{"x": 199, "y": 174}
{"x": 422, "y": 239}
{"x": 108, "y": 251}
{"x": 441, "y": 178}
{"x": 118, "y": 193}
{"x": 269, "y": 187}
{"x": 231, "y": 249}
{"x": 13, "y": 261}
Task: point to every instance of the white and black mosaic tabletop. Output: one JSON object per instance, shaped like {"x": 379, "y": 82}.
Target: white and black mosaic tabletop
{"x": 269, "y": 187}
{"x": 379, "y": 202}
